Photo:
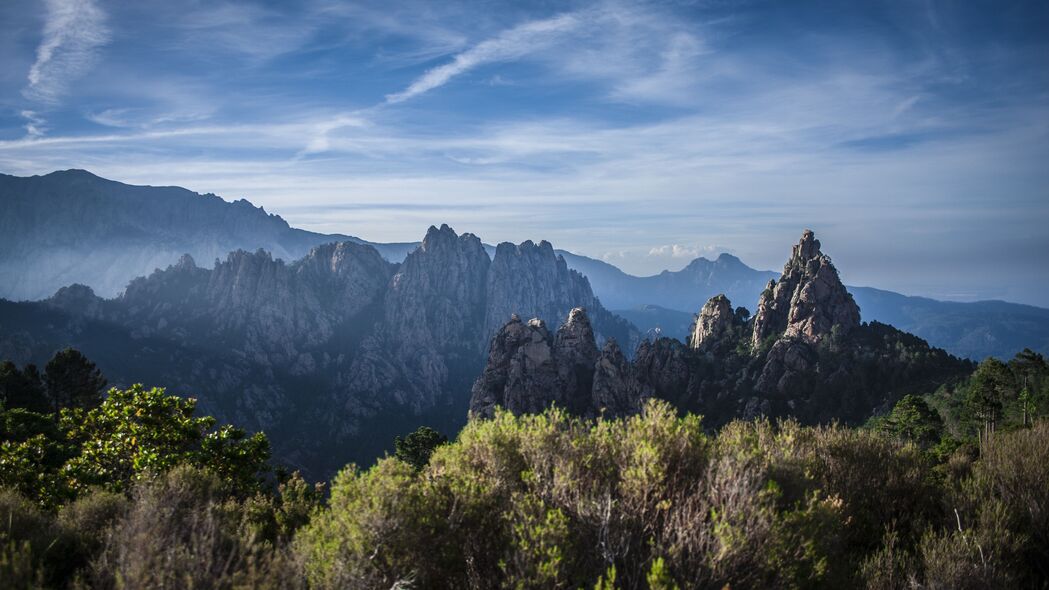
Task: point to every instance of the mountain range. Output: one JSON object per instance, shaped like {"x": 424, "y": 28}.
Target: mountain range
{"x": 331, "y": 354}
{"x": 74, "y": 227}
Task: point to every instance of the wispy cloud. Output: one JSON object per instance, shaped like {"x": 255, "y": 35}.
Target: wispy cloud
{"x": 510, "y": 44}
{"x": 35, "y": 124}
{"x": 73, "y": 33}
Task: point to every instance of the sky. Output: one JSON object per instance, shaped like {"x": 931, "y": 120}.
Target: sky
{"x": 912, "y": 136}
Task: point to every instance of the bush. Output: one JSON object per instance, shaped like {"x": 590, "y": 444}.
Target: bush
{"x": 178, "y": 533}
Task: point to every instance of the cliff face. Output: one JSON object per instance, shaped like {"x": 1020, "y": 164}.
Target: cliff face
{"x": 528, "y": 371}
{"x": 529, "y": 279}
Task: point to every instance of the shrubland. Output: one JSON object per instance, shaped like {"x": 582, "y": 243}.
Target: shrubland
{"x": 133, "y": 490}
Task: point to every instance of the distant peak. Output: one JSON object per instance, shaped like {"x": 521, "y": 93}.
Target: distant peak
{"x": 726, "y": 258}
{"x": 74, "y": 173}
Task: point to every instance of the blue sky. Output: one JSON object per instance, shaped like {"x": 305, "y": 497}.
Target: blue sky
{"x": 912, "y": 136}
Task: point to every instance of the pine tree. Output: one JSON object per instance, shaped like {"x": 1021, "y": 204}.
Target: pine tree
{"x": 73, "y": 381}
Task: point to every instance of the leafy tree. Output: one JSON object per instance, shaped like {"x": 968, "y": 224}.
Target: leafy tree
{"x": 73, "y": 381}
{"x": 32, "y": 452}
{"x": 22, "y": 389}
{"x": 912, "y": 419}
{"x": 137, "y": 431}
{"x": 416, "y": 448}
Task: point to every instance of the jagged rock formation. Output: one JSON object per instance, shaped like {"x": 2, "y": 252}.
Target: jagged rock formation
{"x": 616, "y": 389}
{"x": 528, "y": 371}
{"x": 822, "y": 364}
{"x": 714, "y": 319}
{"x": 324, "y": 352}
{"x": 809, "y": 299}
{"x": 531, "y": 280}
{"x": 521, "y": 374}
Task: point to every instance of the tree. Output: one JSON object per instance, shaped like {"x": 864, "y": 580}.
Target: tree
{"x": 22, "y": 389}
{"x": 137, "y": 431}
{"x": 912, "y": 419}
{"x": 991, "y": 384}
{"x": 416, "y": 448}
{"x": 73, "y": 381}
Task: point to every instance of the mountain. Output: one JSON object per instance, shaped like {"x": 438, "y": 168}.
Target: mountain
{"x": 682, "y": 290}
{"x": 74, "y": 227}
{"x": 667, "y": 302}
{"x": 805, "y": 354}
{"x": 332, "y": 354}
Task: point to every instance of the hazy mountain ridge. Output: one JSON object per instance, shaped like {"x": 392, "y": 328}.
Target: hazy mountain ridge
{"x": 73, "y": 227}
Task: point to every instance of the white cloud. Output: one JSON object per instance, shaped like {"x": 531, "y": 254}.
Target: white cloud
{"x": 35, "y": 124}
{"x": 509, "y": 44}
{"x": 684, "y": 251}
{"x": 73, "y": 33}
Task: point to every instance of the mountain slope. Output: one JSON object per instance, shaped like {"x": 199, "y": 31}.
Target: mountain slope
{"x": 74, "y": 227}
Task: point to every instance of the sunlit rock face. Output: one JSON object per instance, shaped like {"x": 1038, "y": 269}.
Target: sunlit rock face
{"x": 529, "y": 370}
{"x": 808, "y": 300}
{"x": 713, "y": 321}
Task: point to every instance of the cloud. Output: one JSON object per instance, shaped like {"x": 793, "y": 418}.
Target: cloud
{"x": 73, "y": 33}
{"x": 35, "y": 124}
{"x": 683, "y": 251}
{"x": 509, "y": 44}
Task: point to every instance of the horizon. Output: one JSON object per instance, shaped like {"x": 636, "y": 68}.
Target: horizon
{"x": 708, "y": 257}
{"x": 912, "y": 139}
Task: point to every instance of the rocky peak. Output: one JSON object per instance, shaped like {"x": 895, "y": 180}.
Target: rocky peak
{"x": 808, "y": 300}
{"x": 527, "y": 371}
{"x": 532, "y": 280}
{"x": 714, "y": 319}
{"x": 616, "y": 389}
{"x": 520, "y": 375}
{"x": 576, "y": 351}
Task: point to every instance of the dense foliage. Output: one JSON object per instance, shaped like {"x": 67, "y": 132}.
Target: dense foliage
{"x": 138, "y": 492}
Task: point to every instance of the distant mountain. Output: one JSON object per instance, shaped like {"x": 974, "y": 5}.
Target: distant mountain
{"x": 332, "y": 354}
{"x": 74, "y": 227}
{"x": 683, "y": 290}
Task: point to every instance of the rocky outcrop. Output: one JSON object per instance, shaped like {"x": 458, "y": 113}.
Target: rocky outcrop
{"x": 714, "y": 320}
{"x": 809, "y": 299}
{"x": 528, "y": 371}
{"x": 521, "y": 374}
{"x": 616, "y": 390}
{"x": 576, "y": 350}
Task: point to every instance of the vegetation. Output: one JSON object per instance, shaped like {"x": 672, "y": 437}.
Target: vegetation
{"x": 137, "y": 491}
